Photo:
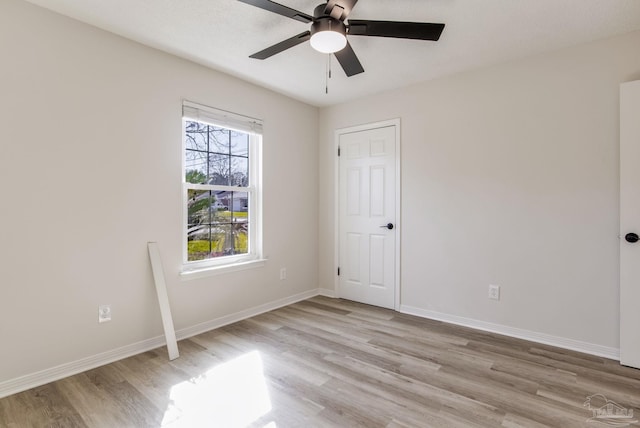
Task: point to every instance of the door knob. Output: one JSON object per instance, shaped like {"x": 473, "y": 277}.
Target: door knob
{"x": 390, "y": 226}
{"x": 631, "y": 237}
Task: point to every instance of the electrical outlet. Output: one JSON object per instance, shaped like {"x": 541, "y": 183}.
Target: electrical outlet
{"x": 283, "y": 274}
{"x": 494, "y": 292}
{"x": 104, "y": 313}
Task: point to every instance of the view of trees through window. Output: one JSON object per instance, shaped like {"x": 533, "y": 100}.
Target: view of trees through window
{"x": 218, "y": 193}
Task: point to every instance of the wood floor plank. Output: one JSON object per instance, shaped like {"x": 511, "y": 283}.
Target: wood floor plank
{"x": 442, "y": 398}
{"x": 328, "y": 362}
{"x": 39, "y": 407}
{"x": 94, "y": 404}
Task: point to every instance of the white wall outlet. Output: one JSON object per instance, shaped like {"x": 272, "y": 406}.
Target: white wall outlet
{"x": 104, "y": 313}
{"x": 283, "y": 274}
{"x": 494, "y": 292}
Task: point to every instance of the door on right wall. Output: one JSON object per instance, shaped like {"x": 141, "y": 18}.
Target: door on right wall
{"x": 630, "y": 224}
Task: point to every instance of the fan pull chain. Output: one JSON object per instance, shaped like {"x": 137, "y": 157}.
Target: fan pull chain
{"x": 328, "y": 74}
{"x": 326, "y": 77}
{"x": 326, "y": 88}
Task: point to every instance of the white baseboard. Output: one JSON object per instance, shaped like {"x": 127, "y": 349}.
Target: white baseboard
{"x": 248, "y": 313}
{"x": 326, "y": 292}
{"x": 43, "y": 377}
{"x": 533, "y": 336}
{"x": 33, "y": 380}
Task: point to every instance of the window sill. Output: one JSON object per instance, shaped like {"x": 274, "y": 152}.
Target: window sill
{"x": 187, "y": 275}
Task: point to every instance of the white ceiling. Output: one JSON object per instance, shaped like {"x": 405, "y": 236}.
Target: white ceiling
{"x": 221, "y": 34}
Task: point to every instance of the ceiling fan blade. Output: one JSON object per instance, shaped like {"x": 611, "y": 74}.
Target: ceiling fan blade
{"x": 401, "y": 30}
{"x": 280, "y": 10}
{"x": 349, "y": 61}
{"x": 282, "y": 46}
{"x": 339, "y": 9}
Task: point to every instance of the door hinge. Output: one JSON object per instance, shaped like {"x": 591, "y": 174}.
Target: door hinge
{"x": 338, "y": 150}
{"x": 338, "y": 271}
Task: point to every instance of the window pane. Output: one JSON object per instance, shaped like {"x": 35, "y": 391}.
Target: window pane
{"x": 195, "y": 167}
{"x": 232, "y": 239}
{"x": 219, "y": 140}
{"x": 219, "y": 169}
{"x": 239, "y": 144}
{"x": 196, "y": 136}
{"x": 240, "y": 207}
{"x": 241, "y": 238}
{"x": 199, "y": 204}
{"x": 218, "y": 234}
{"x": 198, "y": 244}
{"x": 239, "y": 175}
{"x": 198, "y": 231}
{"x": 222, "y": 233}
{"x": 204, "y": 242}
{"x": 222, "y": 203}
{"x": 240, "y": 222}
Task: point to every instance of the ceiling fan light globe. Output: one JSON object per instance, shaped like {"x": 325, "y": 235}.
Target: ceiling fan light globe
{"x": 328, "y": 41}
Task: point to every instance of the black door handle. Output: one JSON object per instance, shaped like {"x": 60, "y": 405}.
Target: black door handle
{"x": 388, "y": 226}
{"x": 631, "y": 237}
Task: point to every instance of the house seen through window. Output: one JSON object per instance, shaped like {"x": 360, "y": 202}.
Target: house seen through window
{"x": 220, "y": 190}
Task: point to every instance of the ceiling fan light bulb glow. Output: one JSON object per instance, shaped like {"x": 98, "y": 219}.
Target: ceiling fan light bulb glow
{"x": 328, "y": 35}
{"x": 328, "y": 41}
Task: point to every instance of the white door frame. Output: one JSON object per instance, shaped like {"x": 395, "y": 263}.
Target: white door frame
{"x": 336, "y": 201}
{"x": 629, "y": 209}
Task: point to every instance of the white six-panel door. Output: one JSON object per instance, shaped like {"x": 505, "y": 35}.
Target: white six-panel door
{"x": 367, "y": 216}
{"x": 629, "y": 224}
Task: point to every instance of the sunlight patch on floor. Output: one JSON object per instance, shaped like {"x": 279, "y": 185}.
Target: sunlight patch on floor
{"x": 233, "y": 394}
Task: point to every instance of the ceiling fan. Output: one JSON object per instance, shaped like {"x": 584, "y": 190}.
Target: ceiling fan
{"x": 328, "y": 32}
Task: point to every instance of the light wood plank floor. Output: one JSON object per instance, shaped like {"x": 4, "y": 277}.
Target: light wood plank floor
{"x": 334, "y": 363}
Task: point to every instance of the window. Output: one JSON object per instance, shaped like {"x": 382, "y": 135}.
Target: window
{"x": 221, "y": 177}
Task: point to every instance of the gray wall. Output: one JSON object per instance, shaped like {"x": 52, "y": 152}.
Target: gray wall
{"x": 90, "y": 160}
{"x": 509, "y": 177}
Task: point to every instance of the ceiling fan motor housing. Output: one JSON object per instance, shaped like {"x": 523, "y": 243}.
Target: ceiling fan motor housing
{"x": 324, "y": 22}
{"x": 328, "y": 24}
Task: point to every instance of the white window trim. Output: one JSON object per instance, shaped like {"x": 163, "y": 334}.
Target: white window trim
{"x": 253, "y": 127}
{"x": 187, "y": 275}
